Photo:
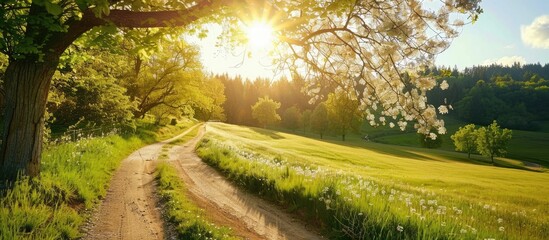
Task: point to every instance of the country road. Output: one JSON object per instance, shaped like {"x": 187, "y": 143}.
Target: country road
{"x": 130, "y": 209}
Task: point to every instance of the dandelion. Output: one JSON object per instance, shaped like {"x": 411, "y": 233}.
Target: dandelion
{"x": 400, "y": 228}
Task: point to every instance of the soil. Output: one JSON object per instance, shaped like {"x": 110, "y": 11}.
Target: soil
{"x": 131, "y": 209}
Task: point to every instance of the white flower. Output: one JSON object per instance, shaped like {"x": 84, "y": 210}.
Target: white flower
{"x": 501, "y": 229}
{"x": 444, "y": 85}
{"x": 462, "y": 231}
{"x": 442, "y": 109}
{"x": 500, "y": 220}
{"x": 400, "y": 228}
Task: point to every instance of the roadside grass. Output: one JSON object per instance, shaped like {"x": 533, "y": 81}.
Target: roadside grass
{"x": 73, "y": 179}
{"x": 188, "y": 219}
{"x": 379, "y": 191}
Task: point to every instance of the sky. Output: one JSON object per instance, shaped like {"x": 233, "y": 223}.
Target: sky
{"x": 508, "y": 31}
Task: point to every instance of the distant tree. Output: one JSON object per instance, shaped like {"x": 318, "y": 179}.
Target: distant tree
{"x": 291, "y": 118}
{"x": 492, "y": 141}
{"x": 209, "y": 104}
{"x": 264, "y": 111}
{"x": 319, "y": 119}
{"x": 480, "y": 105}
{"x": 465, "y": 139}
{"x": 344, "y": 114}
{"x": 306, "y": 120}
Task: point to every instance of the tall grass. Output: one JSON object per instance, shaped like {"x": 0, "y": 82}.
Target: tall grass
{"x": 347, "y": 198}
{"x": 189, "y": 220}
{"x": 74, "y": 177}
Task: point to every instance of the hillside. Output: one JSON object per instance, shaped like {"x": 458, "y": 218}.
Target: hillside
{"x": 486, "y": 193}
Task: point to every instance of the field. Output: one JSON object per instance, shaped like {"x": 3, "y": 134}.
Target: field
{"x": 525, "y": 145}
{"x": 360, "y": 189}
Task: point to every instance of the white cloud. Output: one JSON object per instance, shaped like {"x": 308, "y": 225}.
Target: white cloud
{"x": 537, "y": 33}
{"x": 505, "y": 61}
{"x": 510, "y": 46}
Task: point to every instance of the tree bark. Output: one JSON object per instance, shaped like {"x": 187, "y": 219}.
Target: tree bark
{"x": 27, "y": 84}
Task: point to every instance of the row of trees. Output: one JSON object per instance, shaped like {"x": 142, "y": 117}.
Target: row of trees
{"x": 490, "y": 141}
{"x": 339, "y": 114}
{"x": 513, "y": 96}
{"x": 121, "y": 85}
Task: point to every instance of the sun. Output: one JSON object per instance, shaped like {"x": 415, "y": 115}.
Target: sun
{"x": 260, "y": 35}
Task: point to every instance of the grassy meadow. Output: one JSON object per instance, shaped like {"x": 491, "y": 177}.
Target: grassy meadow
{"x": 525, "y": 145}
{"x": 368, "y": 190}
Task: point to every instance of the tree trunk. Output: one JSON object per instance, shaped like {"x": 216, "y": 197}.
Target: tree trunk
{"x": 27, "y": 84}
{"x": 343, "y": 137}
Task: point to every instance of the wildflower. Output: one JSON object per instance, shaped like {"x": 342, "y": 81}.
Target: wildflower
{"x": 501, "y": 229}
{"x": 462, "y": 231}
{"x": 500, "y": 220}
{"x": 400, "y": 228}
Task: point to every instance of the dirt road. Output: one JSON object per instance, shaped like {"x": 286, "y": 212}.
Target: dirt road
{"x": 130, "y": 209}
{"x": 249, "y": 216}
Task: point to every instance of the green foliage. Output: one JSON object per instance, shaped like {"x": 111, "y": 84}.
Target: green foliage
{"x": 292, "y": 118}
{"x": 492, "y": 141}
{"x": 90, "y": 92}
{"x": 189, "y": 220}
{"x": 208, "y": 106}
{"x": 319, "y": 119}
{"x": 344, "y": 114}
{"x": 465, "y": 139}
{"x": 167, "y": 83}
{"x": 512, "y": 95}
{"x": 264, "y": 111}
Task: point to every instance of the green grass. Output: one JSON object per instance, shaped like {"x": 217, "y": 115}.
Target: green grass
{"x": 74, "y": 177}
{"x": 360, "y": 188}
{"x": 189, "y": 220}
{"x": 524, "y": 146}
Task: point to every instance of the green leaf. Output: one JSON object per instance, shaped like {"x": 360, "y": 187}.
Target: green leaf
{"x": 82, "y": 4}
{"x": 53, "y": 8}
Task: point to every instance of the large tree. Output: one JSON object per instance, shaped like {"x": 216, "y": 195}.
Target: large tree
{"x": 492, "y": 141}
{"x": 170, "y": 78}
{"x": 344, "y": 113}
{"x": 465, "y": 139}
{"x": 264, "y": 111}
{"x": 361, "y": 45}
